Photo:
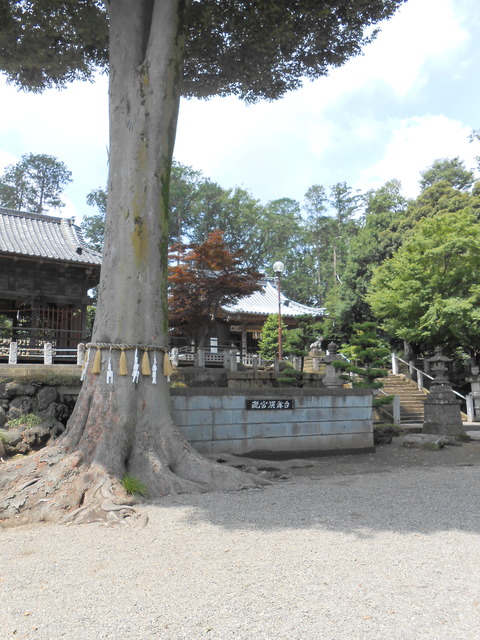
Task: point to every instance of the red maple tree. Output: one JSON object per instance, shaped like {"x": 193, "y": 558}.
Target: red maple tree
{"x": 203, "y": 278}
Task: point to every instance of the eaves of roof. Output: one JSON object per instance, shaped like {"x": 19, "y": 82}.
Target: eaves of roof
{"x": 32, "y": 235}
{"x": 265, "y": 302}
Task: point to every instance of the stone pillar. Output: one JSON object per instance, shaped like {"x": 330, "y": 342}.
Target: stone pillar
{"x": 470, "y": 409}
{"x": 332, "y": 376}
{"x": 174, "y": 356}
{"x": 47, "y": 353}
{"x": 396, "y": 410}
{"x": 442, "y": 408}
{"x": 394, "y": 364}
{"x": 297, "y": 363}
{"x": 475, "y": 394}
{"x": 233, "y": 363}
{"x": 80, "y": 354}
{"x": 200, "y": 357}
{"x": 13, "y": 353}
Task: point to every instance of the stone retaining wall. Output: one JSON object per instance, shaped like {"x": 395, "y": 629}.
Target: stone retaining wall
{"x": 257, "y": 422}
{"x": 22, "y": 400}
{"x": 216, "y": 420}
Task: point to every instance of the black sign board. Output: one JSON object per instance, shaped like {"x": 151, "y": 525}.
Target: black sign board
{"x": 269, "y": 404}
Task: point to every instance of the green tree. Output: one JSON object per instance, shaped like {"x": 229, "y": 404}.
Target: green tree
{"x": 303, "y": 335}
{"x": 236, "y": 213}
{"x": 332, "y": 224}
{"x": 285, "y": 239}
{"x": 376, "y": 241}
{"x": 441, "y": 197}
{"x": 428, "y": 292}
{"x": 268, "y": 343}
{"x": 93, "y": 226}
{"x": 451, "y": 170}
{"x": 35, "y": 184}
{"x": 475, "y": 137}
{"x": 368, "y": 357}
{"x": 295, "y": 341}
{"x": 158, "y": 49}
{"x": 184, "y": 185}
{"x": 320, "y": 229}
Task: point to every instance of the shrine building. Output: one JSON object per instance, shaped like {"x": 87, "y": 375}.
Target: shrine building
{"x": 46, "y": 271}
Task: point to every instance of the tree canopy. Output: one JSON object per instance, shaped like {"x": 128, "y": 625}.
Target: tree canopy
{"x": 428, "y": 293}
{"x": 254, "y": 50}
{"x": 451, "y": 170}
{"x": 34, "y": 184}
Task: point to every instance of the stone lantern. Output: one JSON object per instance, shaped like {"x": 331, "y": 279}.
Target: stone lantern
{"x": 438, "y": 365}
{"x": 332, "y": 377}
{"x": 442, "y": 407}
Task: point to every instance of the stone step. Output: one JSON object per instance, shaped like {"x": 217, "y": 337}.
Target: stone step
{"x": 411, "y": 397}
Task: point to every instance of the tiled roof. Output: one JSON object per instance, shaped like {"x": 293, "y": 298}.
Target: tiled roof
{"x": 40, "y": 236}
{"x": 265, "y": 302}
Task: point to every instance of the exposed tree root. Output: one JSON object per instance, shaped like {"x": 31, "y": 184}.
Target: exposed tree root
{"x": 267, "y": 468}
{"x": 78, "y": 479}
{"x": 53, "y": 485}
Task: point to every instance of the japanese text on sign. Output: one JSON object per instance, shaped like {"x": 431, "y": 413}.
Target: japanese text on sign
{"x": 266, "y": 404}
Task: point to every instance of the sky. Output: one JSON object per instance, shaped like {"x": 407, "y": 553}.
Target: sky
{"x": 411, "y": 98}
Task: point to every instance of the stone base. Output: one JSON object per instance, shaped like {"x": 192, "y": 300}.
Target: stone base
{"x": 442, "y": 413}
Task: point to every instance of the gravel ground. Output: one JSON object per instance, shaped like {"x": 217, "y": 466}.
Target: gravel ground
{"x": 382, "y": 547}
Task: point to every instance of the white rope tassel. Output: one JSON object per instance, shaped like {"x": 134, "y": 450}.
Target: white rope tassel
{"x": 136, "y": 368}
{"x": 109, "y": 369}
{"x": 85, "y": 367}
{"x": 154, "y": 368}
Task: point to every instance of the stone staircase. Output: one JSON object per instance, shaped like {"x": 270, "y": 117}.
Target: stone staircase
{"x": 411, "y": 398}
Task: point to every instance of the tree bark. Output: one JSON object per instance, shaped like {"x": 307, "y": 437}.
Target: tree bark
{"x": 124, "y": 426}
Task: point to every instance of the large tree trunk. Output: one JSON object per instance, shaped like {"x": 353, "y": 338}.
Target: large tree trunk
{"x": 124, "y": 426}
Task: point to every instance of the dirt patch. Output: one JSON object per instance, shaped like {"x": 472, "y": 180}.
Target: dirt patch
{"x": 389, "y": 457}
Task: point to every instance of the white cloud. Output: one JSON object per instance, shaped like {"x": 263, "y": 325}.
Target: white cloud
{"x": 423, "y": 30}
{"x": 71, "y": 125}
{"x": 79, "y": 113}
{"x": 414, "y": 145}
{"x": 6, "y": 159}
{"x": 279, "y": 148}
{"x": 224, "y": 136}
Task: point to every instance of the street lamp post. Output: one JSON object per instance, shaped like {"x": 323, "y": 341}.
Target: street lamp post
{"x": 278, "y": 268}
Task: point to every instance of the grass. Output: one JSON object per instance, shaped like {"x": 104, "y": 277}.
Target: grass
{"x": 29, "y": 420}
{"x": 133, "y": 486}
{"x": 387, "y": 425}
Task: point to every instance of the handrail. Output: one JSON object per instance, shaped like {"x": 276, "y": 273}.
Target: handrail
{"x": 410, "y": 366}
{"x": 421, "y": 374}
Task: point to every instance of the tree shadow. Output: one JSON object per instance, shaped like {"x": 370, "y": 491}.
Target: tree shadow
{"x": 416, "y": 492}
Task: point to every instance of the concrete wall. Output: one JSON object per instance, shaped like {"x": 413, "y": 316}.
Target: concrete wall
{"x": 322, "y": 420}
